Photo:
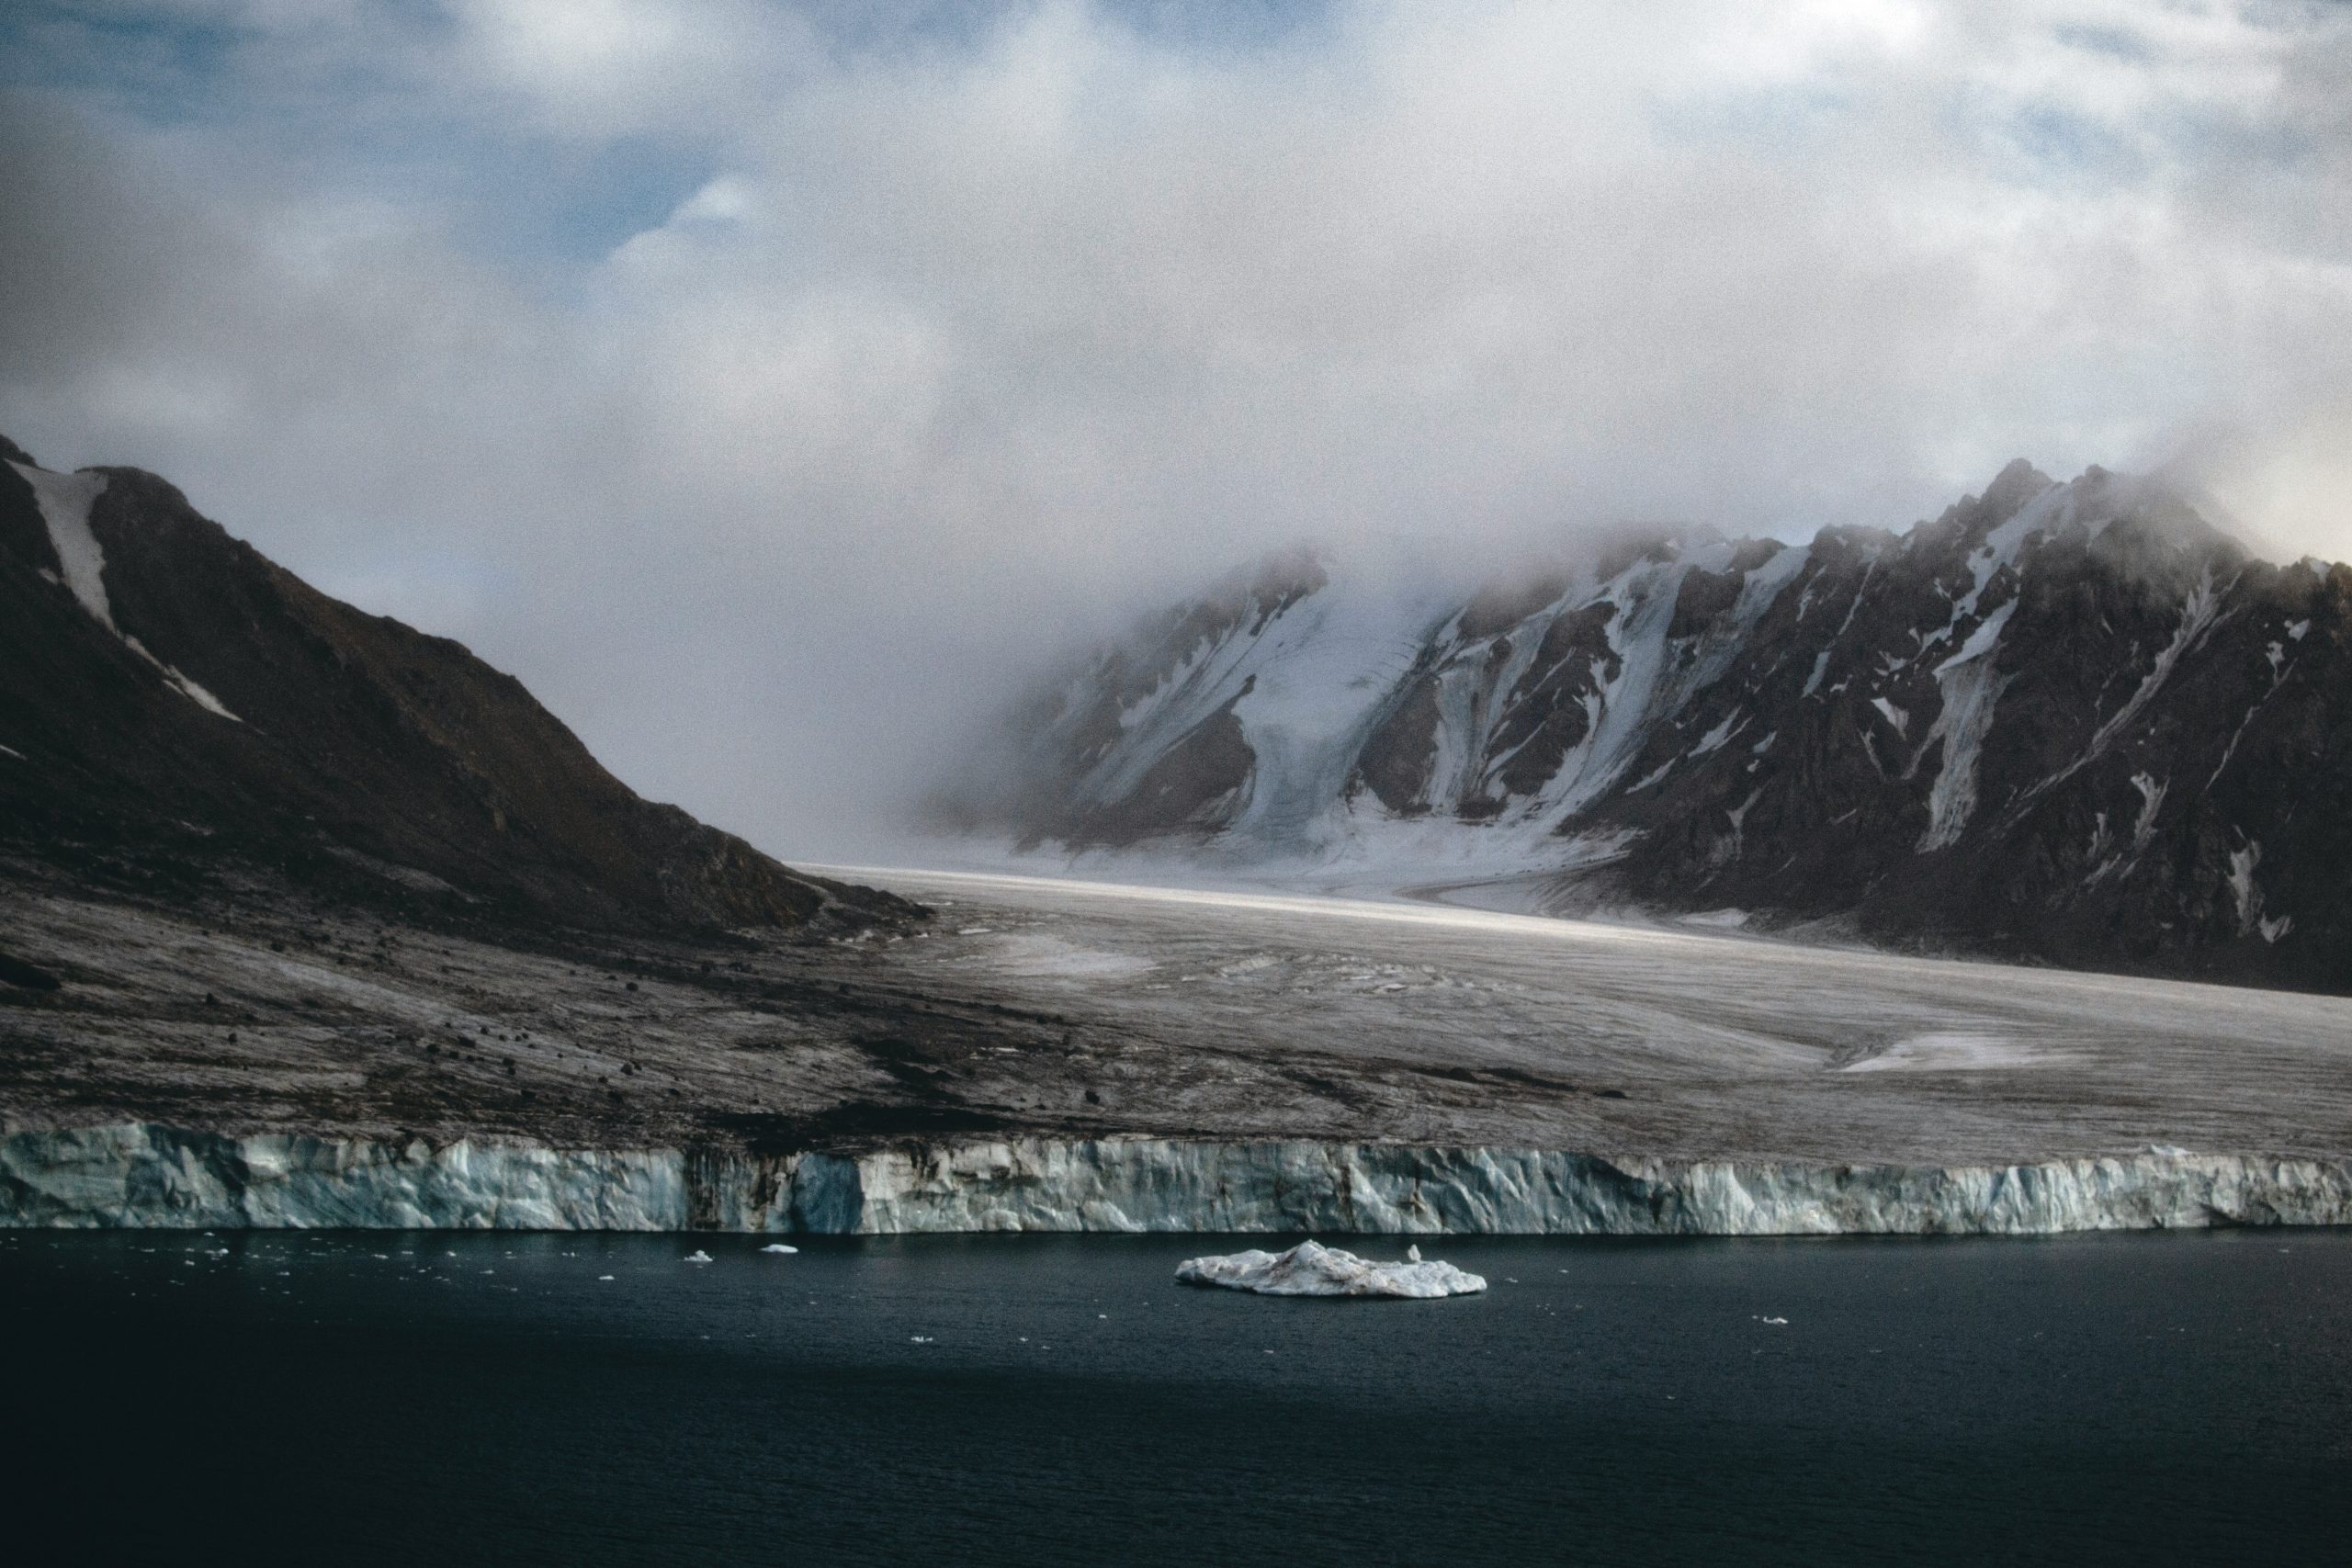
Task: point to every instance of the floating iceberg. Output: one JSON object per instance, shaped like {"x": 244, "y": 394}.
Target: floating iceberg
{"x": 778, "y": 1247}
{"x": 698, "y": 1255}
{"x": 1311, "y": 1269}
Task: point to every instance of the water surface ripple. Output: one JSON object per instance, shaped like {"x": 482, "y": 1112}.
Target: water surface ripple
{"x": 382, "y": 1397}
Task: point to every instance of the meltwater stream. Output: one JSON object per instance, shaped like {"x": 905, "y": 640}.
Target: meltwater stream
{"x": 588, "y": 1398}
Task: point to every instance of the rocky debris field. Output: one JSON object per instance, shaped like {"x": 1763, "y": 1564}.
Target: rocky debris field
{"x": 1065, "y": 1011}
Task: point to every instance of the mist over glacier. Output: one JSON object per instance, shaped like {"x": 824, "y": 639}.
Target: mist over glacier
{"x": 769, "y": 387}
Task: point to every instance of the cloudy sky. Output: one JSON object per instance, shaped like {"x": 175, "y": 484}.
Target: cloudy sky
{"x": 764, "y": 383}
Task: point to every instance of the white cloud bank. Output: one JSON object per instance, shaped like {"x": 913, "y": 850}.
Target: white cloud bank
{"x": 945, "y": 335}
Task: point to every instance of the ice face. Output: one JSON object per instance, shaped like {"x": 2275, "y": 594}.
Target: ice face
{"x": 146, "y": 1176}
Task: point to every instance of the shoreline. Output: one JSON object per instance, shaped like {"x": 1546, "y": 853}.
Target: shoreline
{"x": 146, "y": 1175}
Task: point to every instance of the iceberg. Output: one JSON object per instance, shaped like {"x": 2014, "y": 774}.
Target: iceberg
{"x": 1312, "y": 1269}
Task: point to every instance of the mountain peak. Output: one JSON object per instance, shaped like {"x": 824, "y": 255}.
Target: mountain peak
{"x": 170, "y": 697}
{"x": 2014, "y": 486}
{"x": 2071, "y": 721}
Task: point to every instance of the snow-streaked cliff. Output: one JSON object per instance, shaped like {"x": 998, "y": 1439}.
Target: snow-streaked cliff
{"x": 2073, "y": 721}
{"x": 144, "y": 1175}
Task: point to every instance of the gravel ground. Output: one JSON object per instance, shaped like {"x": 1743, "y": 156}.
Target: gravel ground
{"x": 1081, "y": 1009}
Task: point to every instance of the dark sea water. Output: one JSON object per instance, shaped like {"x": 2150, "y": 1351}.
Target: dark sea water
{"x": 372, "y": 1397}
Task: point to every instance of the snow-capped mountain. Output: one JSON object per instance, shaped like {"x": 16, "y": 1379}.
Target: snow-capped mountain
{"x": 2072, "y": 720}
{"x": 177, "y": 709}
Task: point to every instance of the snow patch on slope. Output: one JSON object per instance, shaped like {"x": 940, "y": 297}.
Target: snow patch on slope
{"x": 1972, "y": 689}
{"x": 1324, "y": 671}
{"x": 1650, "y": 686}
{"x": 1716, "y": 739}
{"x": 1820, "y": 667}
{"x": 2152, "y": 801}
{"x": 2198, "y": 614}
{"x": 2248, "y": 896}
{"x": 65, "y": 501}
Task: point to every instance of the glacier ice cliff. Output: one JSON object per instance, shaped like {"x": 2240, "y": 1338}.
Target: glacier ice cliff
{"x": 143, "y": 1174}
{"x": 1311, "y": 1269}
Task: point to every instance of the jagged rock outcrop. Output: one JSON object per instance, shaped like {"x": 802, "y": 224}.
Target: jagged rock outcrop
{"x": 143, "y": 1175}
{"x": 171, "y": 700}
{"x": 2071, "y": 721}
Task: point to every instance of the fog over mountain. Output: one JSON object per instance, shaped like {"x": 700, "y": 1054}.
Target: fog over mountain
{"x": 772, "y": 389}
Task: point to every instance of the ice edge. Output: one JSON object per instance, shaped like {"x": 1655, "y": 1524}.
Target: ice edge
{"x": 146, "y": 1175}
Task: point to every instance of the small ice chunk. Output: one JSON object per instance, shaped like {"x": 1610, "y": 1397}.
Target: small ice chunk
{"x": 700, "y": 1255}
{"x": 604, "y": 1278}
{"x": 1312, "y": 1269}
{"x": 778, "y": 1246}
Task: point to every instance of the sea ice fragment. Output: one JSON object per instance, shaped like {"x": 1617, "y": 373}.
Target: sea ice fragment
{"x": 1312, "y": 1269}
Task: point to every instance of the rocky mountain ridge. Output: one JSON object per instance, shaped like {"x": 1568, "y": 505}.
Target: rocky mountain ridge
{"x": 174, "y": 704}
{"x": 2068, "y": 721}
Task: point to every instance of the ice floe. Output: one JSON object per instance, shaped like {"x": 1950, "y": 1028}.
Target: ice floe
{"x": 1312, "y": 1269}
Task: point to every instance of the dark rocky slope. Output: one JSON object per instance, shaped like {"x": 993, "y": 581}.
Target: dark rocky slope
{"x": 2072, "y": 722}
{"x": 172, "y": 705}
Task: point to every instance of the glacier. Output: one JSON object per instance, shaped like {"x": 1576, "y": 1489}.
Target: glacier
{"x": 147, "y": 1175}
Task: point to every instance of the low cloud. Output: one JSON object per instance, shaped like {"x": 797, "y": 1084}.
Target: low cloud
{"x": 767, "y": 386}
